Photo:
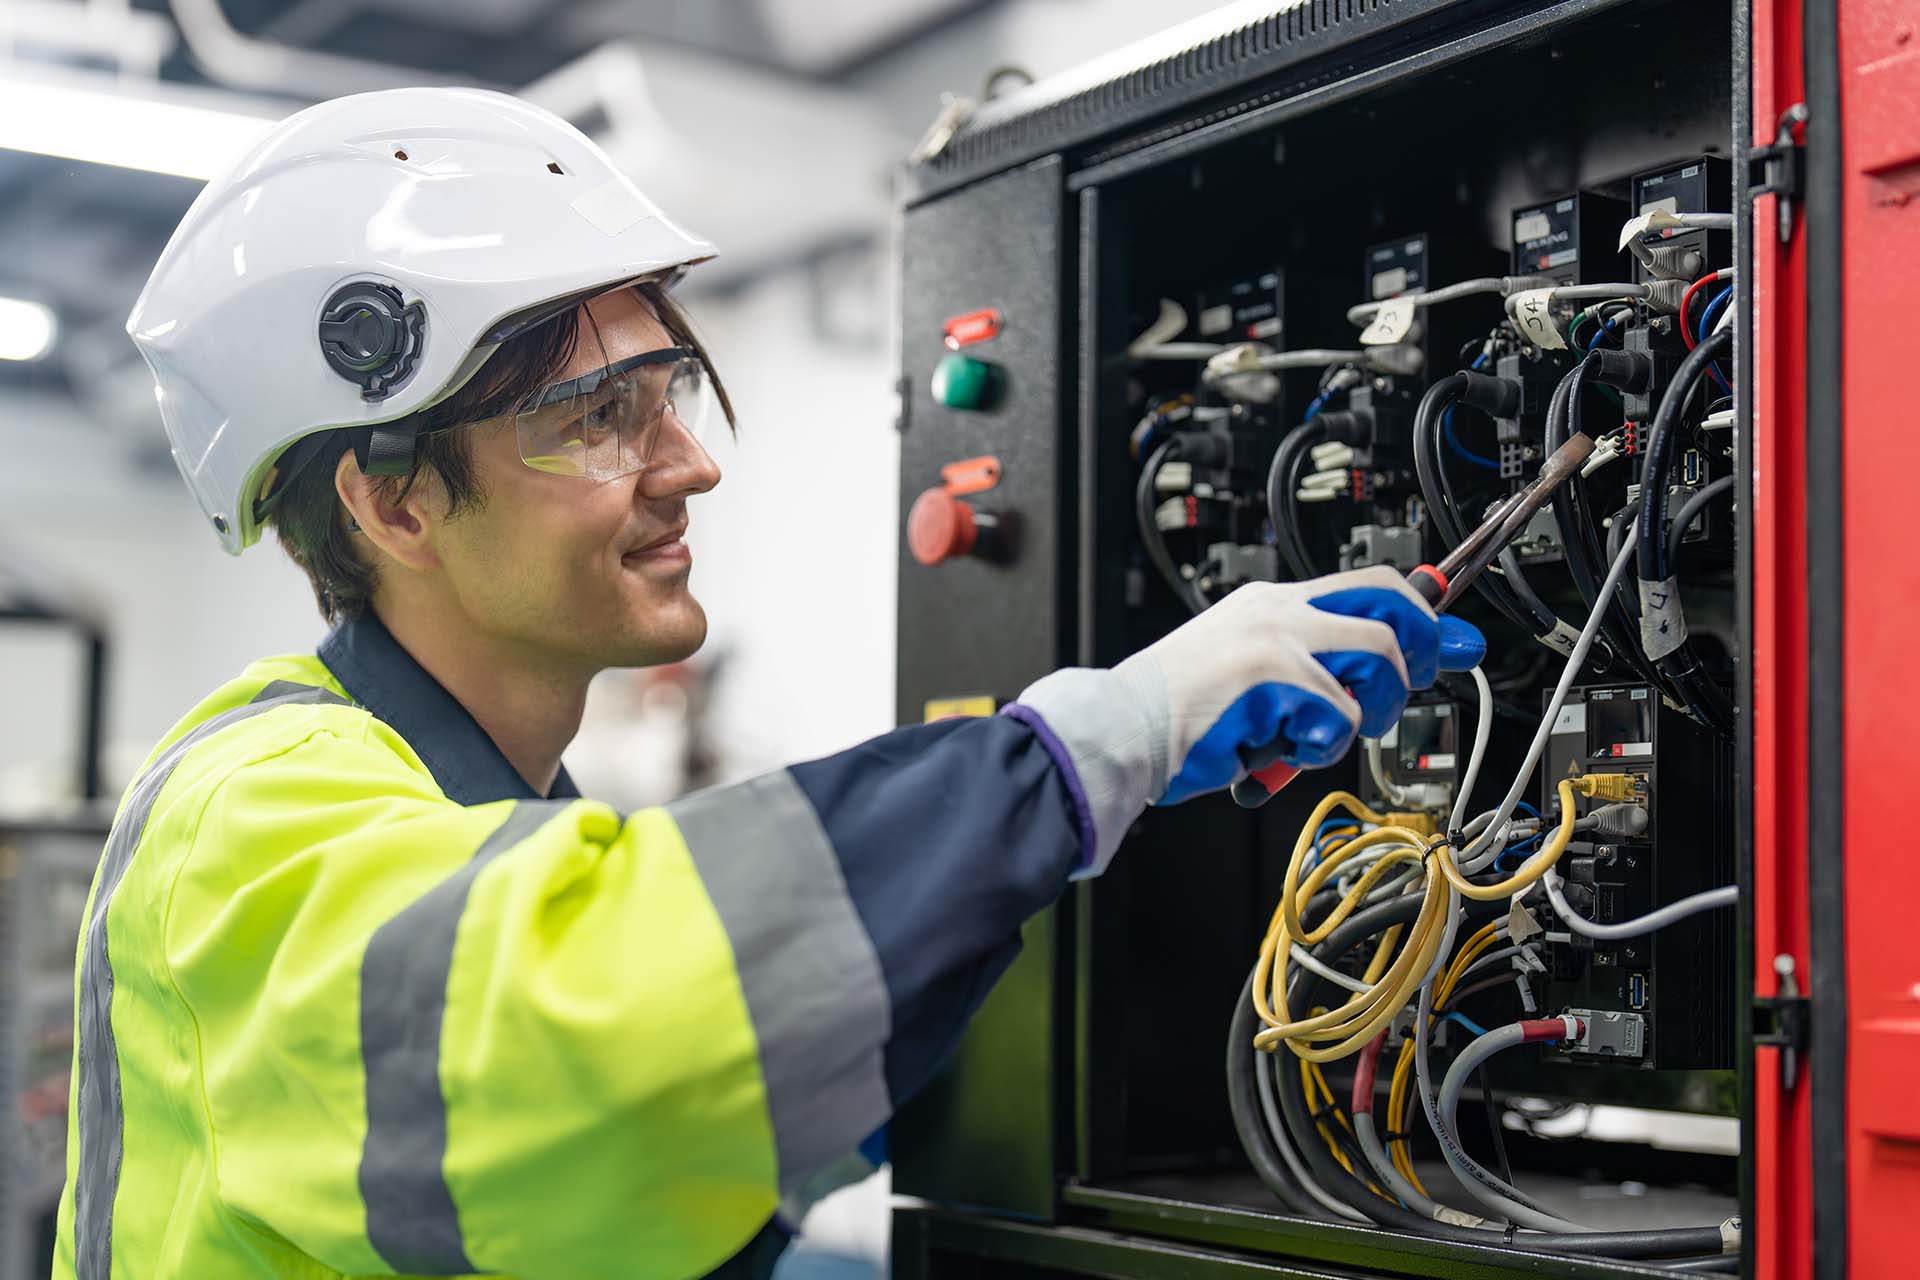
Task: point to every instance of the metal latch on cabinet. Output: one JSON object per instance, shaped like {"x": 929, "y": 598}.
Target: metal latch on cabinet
{"x": 1782, "y": 1021}
{"x": 1780, "y": 168}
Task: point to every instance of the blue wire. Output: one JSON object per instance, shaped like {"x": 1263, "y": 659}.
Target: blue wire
{"x": 1465, "y": 1021}
{"x": 1720, "y": 299}
{"x": 1707, "y": 312}
{"x": 1606, "y": 327}
{"x": 1315, "y": 405}
{"x": 1453, "y": 441}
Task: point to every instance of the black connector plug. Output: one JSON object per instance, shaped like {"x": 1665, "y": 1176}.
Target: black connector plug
{"x": 1629, "y": 371}
{"x": 1496, "y": 397}
{"x": 1348, "y": 426}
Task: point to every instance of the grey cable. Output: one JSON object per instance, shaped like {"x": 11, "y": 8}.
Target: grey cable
{"x": 1481, "y": 1183}
{"x": 1694, "y": 904}
{"x": 1263, "y": 1076}
{"x": 1365, "y": 311}
{"x": 1477, "y": 855}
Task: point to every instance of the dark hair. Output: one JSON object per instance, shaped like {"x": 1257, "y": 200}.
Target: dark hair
{"x": 313, "y": 524}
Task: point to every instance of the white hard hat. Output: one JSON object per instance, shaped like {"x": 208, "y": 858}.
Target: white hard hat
{"x": 363, "y": 260}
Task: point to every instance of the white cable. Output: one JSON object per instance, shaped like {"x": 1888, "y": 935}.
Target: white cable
{"x": 1578, "y": 292}
{"x": 1316, "y": 495}
{"x": 1262, "y": 1074}
{"x": 1325, "y": 480}
{"x": 1168, "y": 325}
{"x": 1331, "y": 454}
{"x": 1392, "y": 791}
{"x": 1177, "y": 351}
{"x": 1482, "y": 730}
{"x": 1708, "y": 900}
{"x": 1306, "y": 960}
{"x": 1477, "y": 855}
{"x": 1447, "y": 293}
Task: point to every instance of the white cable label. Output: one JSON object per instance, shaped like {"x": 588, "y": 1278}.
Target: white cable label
{"x": 1561, "y": 639}
{"x": 1663, "y": 628}
{"x": 1531, "y": 312}
{"x": 1654, "y": 219}
{"x": 1391, "y": 323}
{"x": 1456, "y": 1217}
{"x": 1730, "y": 1236}
{"x": 1520, "y": 923}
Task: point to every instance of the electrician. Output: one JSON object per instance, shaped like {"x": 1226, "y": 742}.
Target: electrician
{"x": 364, "y": 986}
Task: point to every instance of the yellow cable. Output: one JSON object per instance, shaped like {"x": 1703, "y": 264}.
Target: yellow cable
{"x": 1393, "y": 976}
{"x": 1612, "y": 786}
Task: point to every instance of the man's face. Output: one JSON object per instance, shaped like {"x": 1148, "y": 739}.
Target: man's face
{"x": 591, "y": 574}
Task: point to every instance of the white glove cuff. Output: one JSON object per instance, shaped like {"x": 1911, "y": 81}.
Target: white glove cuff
{"x": 1113, "y": 727}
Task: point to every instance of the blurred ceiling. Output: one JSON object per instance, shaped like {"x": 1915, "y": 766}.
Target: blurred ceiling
{"x": 711, "y": 104}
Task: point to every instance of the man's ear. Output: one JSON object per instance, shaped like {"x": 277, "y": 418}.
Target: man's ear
{"x": 401, "y": 526}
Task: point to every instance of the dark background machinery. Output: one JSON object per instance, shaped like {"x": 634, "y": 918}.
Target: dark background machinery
{"x": 1264, "y": 180}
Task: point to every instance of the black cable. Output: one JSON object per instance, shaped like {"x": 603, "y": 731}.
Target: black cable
{"x": 1281, "y": 508}
{"x": 1689, "y": 511}
{"x": 1241, "y": 1087}
{"x": 1243, "y": 1101}
{"x": 1703, "y": 694}
{"x": 1144, "y": 503}
{"x": 1723, "y": 1264}
{"x": 1653, "y": 565}
{"x": 1579, "y": 545}
{"x": 1445, "y": 392}
{"x": 1448, "y": 521}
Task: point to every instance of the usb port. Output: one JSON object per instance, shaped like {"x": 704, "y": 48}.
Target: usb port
{"x": 1693, "y": 468}
{"x": 1636, "y": 991}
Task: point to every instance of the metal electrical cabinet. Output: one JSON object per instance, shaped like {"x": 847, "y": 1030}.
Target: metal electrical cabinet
{"x": 1256, "y": 164}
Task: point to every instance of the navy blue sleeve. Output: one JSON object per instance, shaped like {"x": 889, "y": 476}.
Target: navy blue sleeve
{"x": 949, "y": 835}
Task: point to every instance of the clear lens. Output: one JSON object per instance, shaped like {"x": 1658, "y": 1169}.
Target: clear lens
{"x": 605, "y": 425}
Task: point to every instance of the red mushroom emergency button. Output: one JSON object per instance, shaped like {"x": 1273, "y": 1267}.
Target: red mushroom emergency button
{"x": 940, "y": 526}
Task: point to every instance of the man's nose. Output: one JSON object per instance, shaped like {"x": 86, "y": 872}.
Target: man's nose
{"x": 680, "y": 464}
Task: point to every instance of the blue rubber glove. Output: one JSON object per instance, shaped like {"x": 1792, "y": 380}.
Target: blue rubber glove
{"x": 1276, "y": 671}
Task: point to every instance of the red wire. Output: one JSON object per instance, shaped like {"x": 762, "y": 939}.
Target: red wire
{"x": 1363, "y": 1074}
{"x": 1686, "y": 300}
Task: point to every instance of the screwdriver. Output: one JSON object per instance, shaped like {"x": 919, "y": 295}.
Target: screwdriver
{"x": 1442, "y": 584}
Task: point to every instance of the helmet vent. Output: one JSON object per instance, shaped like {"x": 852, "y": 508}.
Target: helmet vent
{"x": 553, "y": 166}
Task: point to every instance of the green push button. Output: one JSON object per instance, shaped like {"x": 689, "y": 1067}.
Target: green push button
{"x": 962, "y": 382}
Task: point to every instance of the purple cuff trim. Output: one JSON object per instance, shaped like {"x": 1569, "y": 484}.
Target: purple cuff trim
{"x": 1082, "y": 811}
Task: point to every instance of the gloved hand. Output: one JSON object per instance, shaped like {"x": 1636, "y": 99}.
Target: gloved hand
{"x": 1276, "y": 671}
{"x": 1259, "y": 677}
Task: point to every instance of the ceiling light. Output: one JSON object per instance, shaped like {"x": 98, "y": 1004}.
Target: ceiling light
{"x": 27, "y": 329}
{"x": 126, "y": 128}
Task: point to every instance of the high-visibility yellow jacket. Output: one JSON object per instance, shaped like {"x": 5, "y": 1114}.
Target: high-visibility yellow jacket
{"x": 352, "y": 1000}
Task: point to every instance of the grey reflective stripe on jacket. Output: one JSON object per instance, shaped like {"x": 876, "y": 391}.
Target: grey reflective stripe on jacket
{"x": 97, "y": 1082}
{"x": 812, "y": 979}
{"x": 411, "y": 1217}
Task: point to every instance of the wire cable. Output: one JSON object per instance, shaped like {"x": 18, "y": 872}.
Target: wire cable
{"x": 1145, "y": 503}
{"x": 1690, "y": 511}
{"x": 1693, "y": 904}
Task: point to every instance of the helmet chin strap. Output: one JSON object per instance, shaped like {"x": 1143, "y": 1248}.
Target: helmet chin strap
{"x": 384, "y": 450}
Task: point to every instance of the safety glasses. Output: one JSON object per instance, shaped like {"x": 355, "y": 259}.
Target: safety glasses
{"x": 605, "y": 424}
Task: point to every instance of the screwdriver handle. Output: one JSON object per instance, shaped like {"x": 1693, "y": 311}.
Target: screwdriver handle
{"x": 1430, "y": 582}
{"x": 1261, "y": 785}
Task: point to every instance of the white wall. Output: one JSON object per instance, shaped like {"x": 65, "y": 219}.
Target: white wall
{"x": 182, "y": 615}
